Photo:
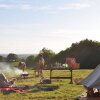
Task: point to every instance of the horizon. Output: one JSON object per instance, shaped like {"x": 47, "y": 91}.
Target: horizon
{"x": 27, "y": 26}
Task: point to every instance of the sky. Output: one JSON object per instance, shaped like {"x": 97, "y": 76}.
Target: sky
{"x": 27, "y": 26}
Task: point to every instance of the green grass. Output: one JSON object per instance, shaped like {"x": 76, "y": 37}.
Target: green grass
{"x": 65, "y": 91}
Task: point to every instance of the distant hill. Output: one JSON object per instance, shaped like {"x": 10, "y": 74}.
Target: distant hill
{"x": 22, "y": 56}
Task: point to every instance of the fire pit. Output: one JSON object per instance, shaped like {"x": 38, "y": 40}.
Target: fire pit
{"x": 24, "y": 74}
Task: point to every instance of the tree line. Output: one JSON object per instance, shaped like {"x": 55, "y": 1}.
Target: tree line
{"x": 86, "y": 52}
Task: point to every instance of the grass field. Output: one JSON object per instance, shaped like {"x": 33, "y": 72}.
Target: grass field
{"x": 65, "y": 90}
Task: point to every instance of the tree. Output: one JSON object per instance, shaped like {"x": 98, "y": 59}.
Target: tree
{"x": 12, "y": 57}
{"x": 2, "y": 58}
{"x": 30, "y": 61}
{"x": 48, "y": 55}
{"x": 86, "y": 52}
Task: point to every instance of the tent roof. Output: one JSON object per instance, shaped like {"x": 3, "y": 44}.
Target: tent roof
{"x": 93, "y": 79}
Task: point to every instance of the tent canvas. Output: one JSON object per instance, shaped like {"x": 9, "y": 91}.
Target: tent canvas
{"x": 93, "y": 79}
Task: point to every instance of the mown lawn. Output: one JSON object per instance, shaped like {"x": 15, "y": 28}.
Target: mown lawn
{"x": 65, "y": 90}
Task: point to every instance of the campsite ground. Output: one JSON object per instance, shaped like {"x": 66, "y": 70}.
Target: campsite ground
{"x": 65, "y": 90}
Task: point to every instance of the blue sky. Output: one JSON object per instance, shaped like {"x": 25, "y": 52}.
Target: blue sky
{"x": 26, "y": 26}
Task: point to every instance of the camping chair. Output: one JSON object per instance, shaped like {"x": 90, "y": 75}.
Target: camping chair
{"x": 4, "y": 82}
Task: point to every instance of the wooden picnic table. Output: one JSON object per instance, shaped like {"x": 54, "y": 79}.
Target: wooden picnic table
{"x": 61, "y": 77}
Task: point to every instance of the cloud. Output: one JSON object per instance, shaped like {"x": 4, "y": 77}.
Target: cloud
{"x": 69, "y": 6}
{"x": 6, "y": 6}
{"x": 28, "y": 6}
{"x": 75, "y": 6}
{"x": 45, "y": 8}
{"x": 25, "y": 7}
{"x": 16, "y": 6}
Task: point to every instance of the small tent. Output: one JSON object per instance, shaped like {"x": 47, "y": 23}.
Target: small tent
{"x": 72, "y": 63}
{"x": 93, "y": 79}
